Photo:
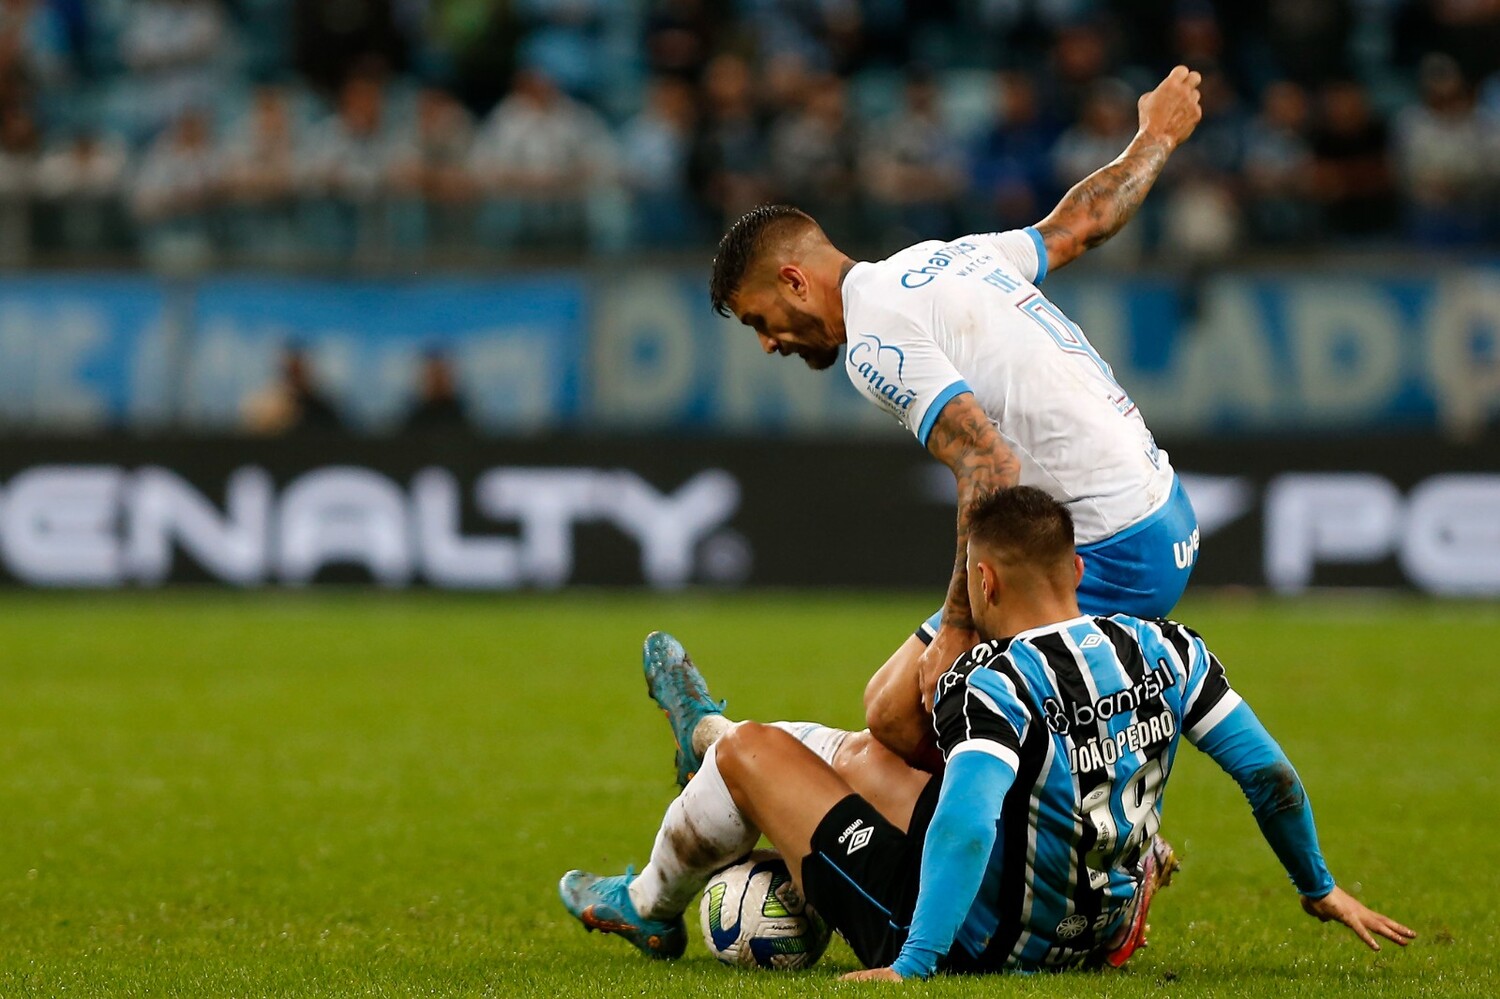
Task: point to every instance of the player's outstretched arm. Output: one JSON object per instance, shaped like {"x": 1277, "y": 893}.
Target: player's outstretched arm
{"x": 1099, "y": 205}
{"x": 964, "y": 439}
{"x": 1240, "y": 744}
{"x": 1339, "y": 906}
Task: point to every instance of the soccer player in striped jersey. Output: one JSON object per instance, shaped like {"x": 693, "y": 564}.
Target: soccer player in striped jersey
{"x": 1037, "y": 846}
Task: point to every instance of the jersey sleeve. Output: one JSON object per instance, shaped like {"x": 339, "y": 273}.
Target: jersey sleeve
{"x": 901, "y": 369}
{"x": 1208, "y": 698}
{"x": 978, "y": 710}
{"x": 1024, "y": 249}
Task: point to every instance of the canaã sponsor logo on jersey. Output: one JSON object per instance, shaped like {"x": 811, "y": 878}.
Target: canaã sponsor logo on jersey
{"x": 866, "y": 357}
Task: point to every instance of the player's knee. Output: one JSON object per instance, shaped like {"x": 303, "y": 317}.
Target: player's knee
{"x": 738, "y": 748}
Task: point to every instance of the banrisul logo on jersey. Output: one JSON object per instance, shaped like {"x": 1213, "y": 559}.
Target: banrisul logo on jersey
{"x": 1100, "y": 752}
{"x": 882, "y": 366}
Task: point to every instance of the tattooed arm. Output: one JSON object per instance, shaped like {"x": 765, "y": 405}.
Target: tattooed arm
{"x": 964, "y": 439}
{"x": 1099, "y": 205}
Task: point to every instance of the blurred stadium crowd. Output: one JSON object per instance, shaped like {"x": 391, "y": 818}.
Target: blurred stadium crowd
{"x": 283, "y": 133}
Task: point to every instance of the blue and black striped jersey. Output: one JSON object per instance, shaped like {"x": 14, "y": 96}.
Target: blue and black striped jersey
{"x": 1088, "y": 713}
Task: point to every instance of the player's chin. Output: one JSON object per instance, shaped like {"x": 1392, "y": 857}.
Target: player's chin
{"x": 820, "y": 360}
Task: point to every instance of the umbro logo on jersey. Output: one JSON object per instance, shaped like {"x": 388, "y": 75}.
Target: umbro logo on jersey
{"x": 1091, "y": 641}
{"x": 857, "y": 835}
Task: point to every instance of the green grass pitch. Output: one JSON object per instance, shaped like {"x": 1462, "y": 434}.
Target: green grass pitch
{"x": 208, "y": 794}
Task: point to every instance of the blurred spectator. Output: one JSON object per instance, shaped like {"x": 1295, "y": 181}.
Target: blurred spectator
{"x": 1310, "y": 38}
{"x": 19, "y": 142}
{"x": 81, "y": 184}
{"x": 34, "y": 47}
{"x": 1200, "y": 220}
{"x": 815, "y": 157}
{"x": 678, "y": 37}
{"x": 1444, "y": 151}
{"x": 174, "y": 193}
{"x": 1467, "y": 30}
{"x": 1105, "y": 127}
{"x": 1200, "y": 214}
{"x": 818, "y": 33}
{"x": 544, "y": 163}
{"x": 438, "y": 407}
{"x": 1010, "y": 167}
{"x": 730, "y": 168}
{"x": 564, "y": 38}
{"x": 294, "y": 402}
{"x": 793, "y": 99}
{"x": 1351, "y": 167}
{"x": 347, "y": 167}
{"x": 260, "y": 172}
{"x": 472, "y": 46}
{"x": 430, "y": 176}
{"x": 654, "y": 150}
{"x": 914, "y": 167}
{"x": 1278, "y": 166}
{"x": 1218, "y": 143}
{"x": 336, "y": 39}
{"x": 1080, "y": 58}
{"x": 178, "y": 53}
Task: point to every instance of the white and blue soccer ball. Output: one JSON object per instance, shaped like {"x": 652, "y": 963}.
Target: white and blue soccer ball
{"x": 753, "y": 916}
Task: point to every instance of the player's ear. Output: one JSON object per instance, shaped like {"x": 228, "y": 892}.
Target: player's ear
{"x": 989, "y": 584}
{"x": 796, "y": 282}
{"x": 1077, "y": 570}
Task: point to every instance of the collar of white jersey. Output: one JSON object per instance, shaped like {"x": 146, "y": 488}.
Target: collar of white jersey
{"x": 848, "y": 278}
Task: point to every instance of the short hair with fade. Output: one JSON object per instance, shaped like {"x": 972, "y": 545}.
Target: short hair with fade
{"x": 1025, "y": 523}
{"x": 742, "y": 246}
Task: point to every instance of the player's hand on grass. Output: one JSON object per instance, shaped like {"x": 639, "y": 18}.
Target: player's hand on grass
{"x": 1339, "y": 906}
{"x": 947, "y": 645}
{"x": 1171, "y": 111}
{"x": 872, "y": 975}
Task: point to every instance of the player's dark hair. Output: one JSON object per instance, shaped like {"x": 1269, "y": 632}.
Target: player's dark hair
{"x": 1024, "y": 522}
{"x": 743, "y": 244}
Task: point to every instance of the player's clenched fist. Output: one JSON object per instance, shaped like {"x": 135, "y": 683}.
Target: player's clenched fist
{"x": 1171, "y": 111}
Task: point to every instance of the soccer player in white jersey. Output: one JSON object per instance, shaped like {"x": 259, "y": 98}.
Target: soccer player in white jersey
{"x": 956, "y": 341}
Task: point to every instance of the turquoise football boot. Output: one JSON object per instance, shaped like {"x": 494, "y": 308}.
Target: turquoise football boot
{"x": 603, "y": 904}
{"x": 676, "y": 685}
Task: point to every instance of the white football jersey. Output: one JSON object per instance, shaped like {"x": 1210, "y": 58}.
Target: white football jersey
{"x": 942, "y": 318}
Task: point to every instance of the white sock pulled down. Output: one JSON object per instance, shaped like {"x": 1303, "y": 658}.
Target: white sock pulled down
{"x": 704, "y": 830}
{"x": 820, "y": 739}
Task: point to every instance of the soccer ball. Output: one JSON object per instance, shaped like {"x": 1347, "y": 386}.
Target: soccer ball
{"x": 754, "y": 916}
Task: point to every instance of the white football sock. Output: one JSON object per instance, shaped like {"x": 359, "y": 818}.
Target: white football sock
{"x": 709, "y": 730}
{"x": 702, "y": 831}
{"x": 705, "y": 830}
{"x": 820, "y": 739}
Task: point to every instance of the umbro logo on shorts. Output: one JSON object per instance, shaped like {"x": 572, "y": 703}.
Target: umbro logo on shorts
{"x": 856, "y": 835}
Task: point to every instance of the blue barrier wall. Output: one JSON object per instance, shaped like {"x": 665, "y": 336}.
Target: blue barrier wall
{"x": 641, "y": 350}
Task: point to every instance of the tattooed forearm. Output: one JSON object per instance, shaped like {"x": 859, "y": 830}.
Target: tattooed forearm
{"x": 1099, "y": 205}
{"x": 965, "y": 440}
